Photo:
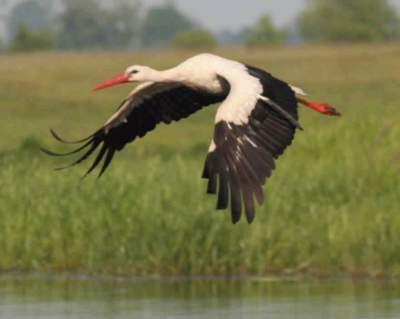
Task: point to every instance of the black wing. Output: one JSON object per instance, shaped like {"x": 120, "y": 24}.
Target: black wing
{"x": 244, "y": 155}
{"x": 148, "y": 106}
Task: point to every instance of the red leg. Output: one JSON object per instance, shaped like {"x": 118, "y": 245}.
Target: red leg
{"x": 323, "y": 108}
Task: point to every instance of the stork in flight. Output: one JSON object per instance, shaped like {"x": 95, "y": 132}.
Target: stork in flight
{"x": 256, "y": 121}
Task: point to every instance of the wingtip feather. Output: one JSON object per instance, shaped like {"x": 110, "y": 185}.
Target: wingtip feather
{"x": 64, "y": 141}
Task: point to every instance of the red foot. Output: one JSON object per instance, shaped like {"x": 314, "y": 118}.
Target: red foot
{"x": 323, "y": 108}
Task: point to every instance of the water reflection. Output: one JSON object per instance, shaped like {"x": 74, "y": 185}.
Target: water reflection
{"x": 200, "y": 299}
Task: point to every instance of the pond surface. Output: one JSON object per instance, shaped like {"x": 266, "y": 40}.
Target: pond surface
{"x": 22, "y": 298}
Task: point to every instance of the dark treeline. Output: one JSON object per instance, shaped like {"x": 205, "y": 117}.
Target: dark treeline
{"x": 91, "y": 24}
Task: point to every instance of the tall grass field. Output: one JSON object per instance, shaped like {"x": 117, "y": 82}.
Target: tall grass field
{"x": 333, "y": 204}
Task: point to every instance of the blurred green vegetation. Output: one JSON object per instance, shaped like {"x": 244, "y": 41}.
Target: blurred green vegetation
{"x": 129, "y": 24}
{"x": 265, "y": 33}
{"x": 89, "y": 25}
{"x": 33, "y": 15}
{"x": 332, "y": 205}
{"x": 198, "y": 39}
{"x": 162, "y": 24}
{"x": 350, "y": 21}
{"x": 26, "y": 41}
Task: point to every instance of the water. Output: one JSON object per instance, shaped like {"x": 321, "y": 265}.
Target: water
{"x": 199, "y": 299}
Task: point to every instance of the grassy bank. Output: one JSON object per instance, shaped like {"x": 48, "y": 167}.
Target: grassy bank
{"x": 333, "y": 204}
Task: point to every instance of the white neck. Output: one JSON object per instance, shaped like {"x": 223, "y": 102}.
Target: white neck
{"x": 170, "y": 75}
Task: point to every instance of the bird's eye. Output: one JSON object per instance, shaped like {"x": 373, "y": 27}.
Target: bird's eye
{"x": 134, "y": 71}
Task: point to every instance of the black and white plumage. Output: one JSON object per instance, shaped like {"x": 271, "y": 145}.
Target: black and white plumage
{"x": 255, "y": 123}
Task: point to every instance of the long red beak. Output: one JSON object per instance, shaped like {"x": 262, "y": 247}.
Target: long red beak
{"x": 119, "y": 79}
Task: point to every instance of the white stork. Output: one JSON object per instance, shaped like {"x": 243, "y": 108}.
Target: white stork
{"x": 256, "y": 121}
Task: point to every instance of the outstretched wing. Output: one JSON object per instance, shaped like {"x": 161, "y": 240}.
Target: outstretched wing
{"x": 242, "y": 156}
{"x": 147, "y": 106}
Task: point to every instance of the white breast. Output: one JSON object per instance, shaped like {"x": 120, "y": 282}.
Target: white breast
{"x": 242, "y": 98}
{"x": 203, "y": 69}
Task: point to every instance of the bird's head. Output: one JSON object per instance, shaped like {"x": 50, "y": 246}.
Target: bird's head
{"x": 134, "y": 73}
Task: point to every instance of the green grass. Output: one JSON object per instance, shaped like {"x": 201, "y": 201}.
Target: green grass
{"x": 332, "y": 206}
